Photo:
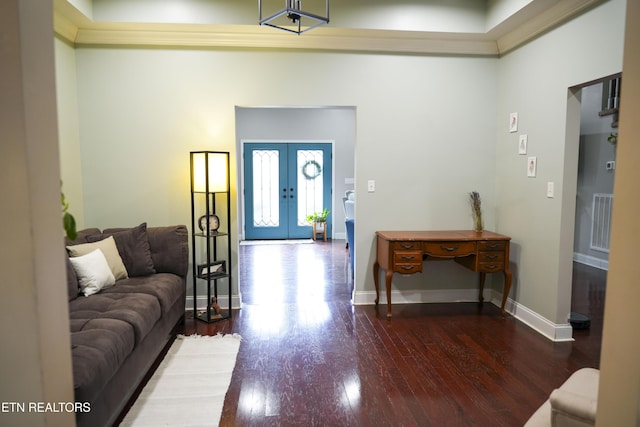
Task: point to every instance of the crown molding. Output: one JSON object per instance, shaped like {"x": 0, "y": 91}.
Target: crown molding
{"x": 332, "y": 39}
{"x": 552, "y": 17}
{"x": 75, "y": 27}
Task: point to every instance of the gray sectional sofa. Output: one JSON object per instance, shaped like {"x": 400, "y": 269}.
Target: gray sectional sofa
{"x": 117, "y": 332}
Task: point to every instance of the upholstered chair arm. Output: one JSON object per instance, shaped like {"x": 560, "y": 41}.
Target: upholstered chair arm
{"x": 572, "y": 410}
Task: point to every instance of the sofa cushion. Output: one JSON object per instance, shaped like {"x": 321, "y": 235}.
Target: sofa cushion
{"x": 166, "y": 287}
{"x": 110, "y": 251}
{"x": 82, "y": 236}
{"x": 98, "y": 348}
{"x": 133, "y": 246}
{"x": 93, "y": 272}
{"x": 139, "y": 310}
{"x": 169, "y": 248}
{"x": 72, "y": 281}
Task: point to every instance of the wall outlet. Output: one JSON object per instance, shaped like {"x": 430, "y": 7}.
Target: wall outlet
{"x": 611, "y": 165}
{"x": 371, "y": 186}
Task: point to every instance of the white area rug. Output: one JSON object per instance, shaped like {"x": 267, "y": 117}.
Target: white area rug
{"x": 189, "y": 386}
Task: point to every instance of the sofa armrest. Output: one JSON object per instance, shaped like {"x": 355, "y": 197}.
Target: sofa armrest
{"x": 169, "y": 249}
{"x": 571, "y": 409}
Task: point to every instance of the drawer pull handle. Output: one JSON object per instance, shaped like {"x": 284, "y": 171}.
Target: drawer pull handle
{"x": 492, "y": 245}
{"x": 408, "y": 267}
{"x": 492, "y": 256}
{"x": 491, "y": 267}
{"x": 405, "y": 246}
{"x": 449, "y": 248}
{"x": 408, "y": 257}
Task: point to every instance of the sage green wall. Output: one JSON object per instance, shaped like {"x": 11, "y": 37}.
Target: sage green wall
{"x": 429, "y": 130}
{"x": 534, "y": 82}
{"x": 69, "y": 129}
{"x": 425, "y": 131}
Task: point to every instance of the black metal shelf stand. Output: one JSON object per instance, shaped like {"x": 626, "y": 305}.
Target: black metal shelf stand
{"x": 206, "y": 197}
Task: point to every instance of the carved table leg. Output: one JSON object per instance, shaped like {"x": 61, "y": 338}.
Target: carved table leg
{"x": 376, "y": 270}
{"x": 507, "y": 289}
{"x": 482, "y": 277}
{"x": 388, "y": 276}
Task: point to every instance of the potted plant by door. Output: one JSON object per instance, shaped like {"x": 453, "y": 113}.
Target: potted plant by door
{"x": 318, "y": 221}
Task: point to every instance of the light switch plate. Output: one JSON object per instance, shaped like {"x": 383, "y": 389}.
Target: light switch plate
{"x": 550, "y": 189}
{"x": 371, "y": 186}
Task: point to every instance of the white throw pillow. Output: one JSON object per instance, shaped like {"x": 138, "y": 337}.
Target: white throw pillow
{"x": 110, "y": 251}
{"x": 93, "y": 272}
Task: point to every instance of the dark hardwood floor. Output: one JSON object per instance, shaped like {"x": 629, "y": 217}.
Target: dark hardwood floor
{"x": 310, "y": 358}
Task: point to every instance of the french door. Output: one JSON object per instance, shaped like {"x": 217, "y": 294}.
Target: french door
{"x": 285, "y": 182}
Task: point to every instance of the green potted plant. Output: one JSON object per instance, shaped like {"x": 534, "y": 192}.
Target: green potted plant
{"x": 318, "y": 220}
{"x": 68, "y": 221}
{"x": 318, "y": 217}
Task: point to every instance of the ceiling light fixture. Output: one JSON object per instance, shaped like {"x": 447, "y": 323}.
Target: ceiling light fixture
{"x": 293, "y": 14}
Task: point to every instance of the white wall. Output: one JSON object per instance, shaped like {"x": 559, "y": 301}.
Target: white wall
{"x": 534, "y": 82}
{"x": 465, "y": 16}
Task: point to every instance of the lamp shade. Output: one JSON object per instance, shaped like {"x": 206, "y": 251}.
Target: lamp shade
{"x": 211, "y": 165}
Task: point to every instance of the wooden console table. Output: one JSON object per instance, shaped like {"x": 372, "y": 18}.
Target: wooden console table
{"x": 404, "y": 252}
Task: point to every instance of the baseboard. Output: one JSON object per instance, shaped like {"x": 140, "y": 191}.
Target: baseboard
{"x": 339, "y": 236}
{"x": 223, "y": 301}
{"x": 555, "y": 332}
{"x": 418, "y": 296}
{"x": 552, "y": 331}
{"x": 592, "y": 261}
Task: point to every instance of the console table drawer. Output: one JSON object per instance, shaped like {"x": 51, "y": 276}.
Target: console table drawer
{"x": 491, "y": 257}
{"x": 407, "y": 268}
{"x": 450, "y": 249}
{"x": 489, "y": 267}
{"x": 406, "y": 245}
{"x": 491, "y": 245}
{"x": 407, "y": 256}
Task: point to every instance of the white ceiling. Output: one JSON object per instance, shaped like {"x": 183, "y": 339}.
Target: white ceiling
{"x": 466, "y": 27}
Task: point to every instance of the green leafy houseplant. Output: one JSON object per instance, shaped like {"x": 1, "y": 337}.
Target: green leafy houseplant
{"x": 68, "y": 221}
{"x": 318, "y": 216}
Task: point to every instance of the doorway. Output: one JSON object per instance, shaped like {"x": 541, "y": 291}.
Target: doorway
{"x": 594, "y": 201}
{"x": 284, "y": 183}
{"x": 596, "y": 172}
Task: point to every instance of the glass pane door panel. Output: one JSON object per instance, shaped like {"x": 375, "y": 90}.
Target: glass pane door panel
{"x": 310, "y": 167}
{"x": 266, "y": 178}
